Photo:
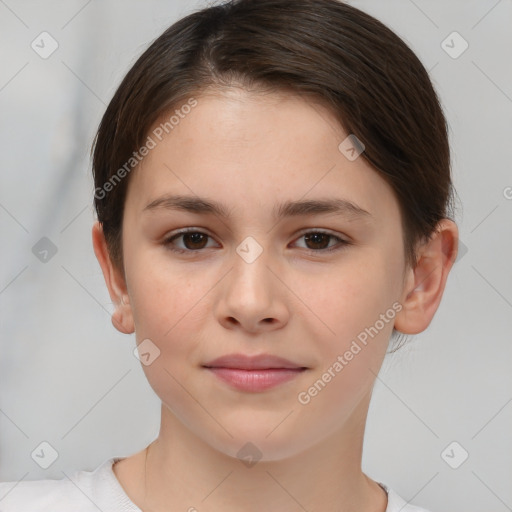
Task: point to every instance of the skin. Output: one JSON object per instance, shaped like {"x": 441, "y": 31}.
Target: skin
{"x": 251, "y": 151}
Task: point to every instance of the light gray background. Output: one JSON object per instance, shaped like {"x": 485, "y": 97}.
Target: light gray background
{"x": 69, "y": 378}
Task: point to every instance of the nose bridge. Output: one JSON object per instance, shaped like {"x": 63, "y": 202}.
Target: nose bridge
{"x": 252, "y": 288}
{"x": 250, "y": 297}
{"x": 251, "y": 270}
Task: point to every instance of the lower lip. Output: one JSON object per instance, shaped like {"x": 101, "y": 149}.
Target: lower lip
{"x": 256, "y": 380}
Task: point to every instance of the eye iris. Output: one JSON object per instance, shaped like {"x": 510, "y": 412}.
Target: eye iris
{"x": 316, "y": 238}
{"x": 196, "y": 238}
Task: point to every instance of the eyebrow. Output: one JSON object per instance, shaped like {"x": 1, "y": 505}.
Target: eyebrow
{"x": 199, "y": 205}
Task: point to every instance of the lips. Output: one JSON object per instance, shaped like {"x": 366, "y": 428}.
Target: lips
{"x": 254, "y": 373}
{"x": 259, "y": 362}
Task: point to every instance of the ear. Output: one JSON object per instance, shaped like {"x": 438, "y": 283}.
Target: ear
{"x": 122, "y": 318}
{"x": 424, "y": 285}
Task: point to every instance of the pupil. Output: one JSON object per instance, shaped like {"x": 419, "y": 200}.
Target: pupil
{"x": 314, "y": 238}
{"x": 196, "y": 237}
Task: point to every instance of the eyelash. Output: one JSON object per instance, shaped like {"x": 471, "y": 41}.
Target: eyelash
{"x": 341, "y": 245}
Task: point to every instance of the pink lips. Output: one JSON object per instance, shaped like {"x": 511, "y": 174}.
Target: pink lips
{"x": 254, "y": 373}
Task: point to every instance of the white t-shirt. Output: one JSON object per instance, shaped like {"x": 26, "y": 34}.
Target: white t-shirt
{"x": 90, "y": 491}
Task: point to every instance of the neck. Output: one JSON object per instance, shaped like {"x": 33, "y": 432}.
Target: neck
{"x": 180, "y": 471}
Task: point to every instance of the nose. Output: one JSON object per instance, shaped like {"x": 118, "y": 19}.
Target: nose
{"x": 252, "y": 298}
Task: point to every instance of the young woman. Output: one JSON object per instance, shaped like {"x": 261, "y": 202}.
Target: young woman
{"x": 272, "y": 184}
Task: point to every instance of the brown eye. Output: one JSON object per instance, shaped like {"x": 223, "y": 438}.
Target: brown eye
{"x": 192, "y": 241}
{"x": 319, "y": 242}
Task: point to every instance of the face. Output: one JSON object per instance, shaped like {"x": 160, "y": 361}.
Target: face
{"x": 318, "y": 287}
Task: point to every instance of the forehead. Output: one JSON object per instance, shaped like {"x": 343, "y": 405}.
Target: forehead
{"x": 248, "y": 149}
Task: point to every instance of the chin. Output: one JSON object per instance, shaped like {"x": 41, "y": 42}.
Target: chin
{"x": 256, "y": 445}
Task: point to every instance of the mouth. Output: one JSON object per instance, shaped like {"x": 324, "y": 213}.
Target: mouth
{"x": 254, "y": 373}
{"x": 259, "y": 362}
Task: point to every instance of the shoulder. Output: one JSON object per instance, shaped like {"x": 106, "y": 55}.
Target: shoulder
{"x": 44, "y": 496}
{"x": 397, "y": 504}
{"x": 40, "y": 496}
{"x": 82, "y": 491}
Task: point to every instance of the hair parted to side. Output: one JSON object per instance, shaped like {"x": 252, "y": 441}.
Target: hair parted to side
{"x": 324, "y": 49}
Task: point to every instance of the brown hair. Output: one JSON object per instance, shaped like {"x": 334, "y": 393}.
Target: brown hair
{"x": 361, "y": 70}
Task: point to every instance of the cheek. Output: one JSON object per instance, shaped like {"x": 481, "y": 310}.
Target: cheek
{"x": 162, "y": 291}
{"x": 357, "y": 307}
{"x": 350, "y": 358}
{"x": 350, "y": 299}
{"x": 164, "y": 309}
{"x": 167, "y": 310}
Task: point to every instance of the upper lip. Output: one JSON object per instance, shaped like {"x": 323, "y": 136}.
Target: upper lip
{"x": 258, "y": 362}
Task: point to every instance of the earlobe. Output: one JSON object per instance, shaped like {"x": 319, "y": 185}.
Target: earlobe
{"x": 122, "y": 318}
{"x": 425, "y": 283}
